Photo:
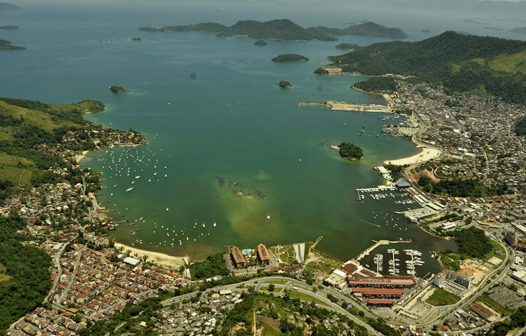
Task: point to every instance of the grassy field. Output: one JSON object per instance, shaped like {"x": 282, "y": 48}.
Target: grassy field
{"x": 496, "y": 247}
{"x": 510, "y": 63}
{"x": 441, "y": 297}
{"x": 495, "y": 305}
{"x": 270, "y": 326}
{"x": 304, "y": 297}
{"x": 450, "y": 261}
{"x": 3, "y": 275}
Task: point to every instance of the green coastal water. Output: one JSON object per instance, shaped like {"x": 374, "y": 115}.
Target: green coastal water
{"x": 231, "y": 158}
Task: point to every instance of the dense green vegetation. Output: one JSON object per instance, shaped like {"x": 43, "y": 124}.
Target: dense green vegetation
{"x": 213, "y": 265}
{"x": 25, "y": 272}
{"x": 346, "y": 46}
{"x": 284, "y": 29}
{"x": 290, "y": 58}
{"x": 117, "y": 89}
{"x": 440, "y": 297}
{"x": 284, "y": 84}
{"x": 377, "y": 84}
{"x": 460, "y": 187}
{"x": 375, "y": 30}
{"x": 495, "y": 305}
{"x": 473, "y": 242}
{"x": 462, "y": 63}
{"x": 380, "y": 325}
{"x": 520, "y": 127}
{"x": 350, "y": 151}
{"x": 516, "y": 320}
{"x": 24, "y": 124}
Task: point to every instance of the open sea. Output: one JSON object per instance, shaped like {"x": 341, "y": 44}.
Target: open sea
{"x": 231, "y": 158}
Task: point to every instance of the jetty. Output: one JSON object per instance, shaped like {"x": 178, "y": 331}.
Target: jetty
{"x": 334, "y": 105}
{"x": 371, "y": 248}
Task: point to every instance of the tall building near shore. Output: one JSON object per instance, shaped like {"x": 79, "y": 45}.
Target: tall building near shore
{"x": 263, "y": 254}
{"x": 237, "y": 257}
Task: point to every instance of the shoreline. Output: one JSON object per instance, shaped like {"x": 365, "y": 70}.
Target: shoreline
{"x": 81, "y": 156}
{"x": 161, "y": 259}
{"x": 426, "y": 153}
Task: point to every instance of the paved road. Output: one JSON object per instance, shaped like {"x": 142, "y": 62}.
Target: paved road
{"x": 291, "y": 283}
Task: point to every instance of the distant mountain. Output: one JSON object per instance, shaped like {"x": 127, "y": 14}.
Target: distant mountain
{"x": 284, "y": 29}
{"x": 4, "y": 6}
{"x": 372, "y": 29}
{"x": 521, "y": 30}
{"x": 460, "y": 62}
{"x": 7, "y": 45}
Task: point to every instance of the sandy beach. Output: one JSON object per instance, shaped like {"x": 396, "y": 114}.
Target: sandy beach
{"x": 158, "y": 258}
{"x": 81, "y": 156}
{"x": 426, "y": 154}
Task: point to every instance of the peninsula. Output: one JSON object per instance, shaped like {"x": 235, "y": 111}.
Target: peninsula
{"x": 4, "y": 6}
{"x": 284, "y": 29}
{"x": 461, "y": 63}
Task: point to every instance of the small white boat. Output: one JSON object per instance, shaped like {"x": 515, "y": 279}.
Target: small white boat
{"x": 129, "y": 189}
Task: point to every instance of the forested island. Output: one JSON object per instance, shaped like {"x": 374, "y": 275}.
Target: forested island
{"x": 462, "y": 63}
{"x": 284, "y": 29}
{"x": 260, "y": 43}
{"x": 7, "y": 45}
{"x": 284, "y": 84}
{"x": 118, "y": 89}
{"x": 350, "y": 151}
{"x": 9, "y": 27}
{"x": 290, "y": 58}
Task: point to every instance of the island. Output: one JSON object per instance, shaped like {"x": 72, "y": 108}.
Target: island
{"x": 285, "y": 84}
{"x": 136, "y": 39}
{"x": 260, "y": 43}
{"x": 6, "y": 45}
{"x": 117, "y": 89}
{"x": 290, "y": 58}
{"x": 346, "y": 46}
{"x": 283, "y": 29}
{"x": 371, "y": 29}
{"x": 9, "y": 27}
{"x": 350, "y": 151}
{"x": 426, "y": 31}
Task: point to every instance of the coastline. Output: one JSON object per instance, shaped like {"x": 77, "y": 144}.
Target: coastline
{"x": 81, "y": 156}
{"x": 161, "y": 259}
{"x": 427, "y": 153}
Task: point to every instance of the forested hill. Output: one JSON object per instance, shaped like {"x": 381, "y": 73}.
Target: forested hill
{"x": 284, "y": 29}
{"x": 460, "y": 62}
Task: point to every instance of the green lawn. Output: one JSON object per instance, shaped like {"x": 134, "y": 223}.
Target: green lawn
{"x": 441, "y": 297}
{"x": 304, "y": 297}
{"x": 450, "y": 261}
{"x": 270, "y": 327}
{"x": 496, "y": 246}
{"x": 495, "y": 305}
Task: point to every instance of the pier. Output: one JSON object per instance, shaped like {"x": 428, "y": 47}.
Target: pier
{"x": 380, "y": 243}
